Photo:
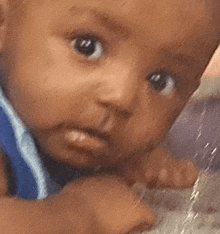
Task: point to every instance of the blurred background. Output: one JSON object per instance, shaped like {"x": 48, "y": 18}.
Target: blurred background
{"x": 213, "y": 69}
{"x": 196, "y": 136}
{"x": 196, "y": 133}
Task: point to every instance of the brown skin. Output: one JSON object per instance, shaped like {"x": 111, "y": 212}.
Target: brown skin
{"x": 3, "y": 179}
{"x": 57, "y": 90}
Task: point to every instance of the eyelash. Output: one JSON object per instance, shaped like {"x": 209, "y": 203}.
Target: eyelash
{"x": 162, "y": 82}
{"x": 95, "y": 52}
{"x": 170, "y": 81}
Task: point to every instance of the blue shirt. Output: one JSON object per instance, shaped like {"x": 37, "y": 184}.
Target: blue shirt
{"x": 32, "y": 178}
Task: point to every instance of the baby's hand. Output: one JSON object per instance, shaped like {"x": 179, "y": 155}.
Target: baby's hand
{"x": 160, "y": 170}
{"x": 106, "y": 205}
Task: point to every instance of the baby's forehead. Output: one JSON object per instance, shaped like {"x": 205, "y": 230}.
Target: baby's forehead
{"x": 167, "y": 9}
{"x": 166, "y": 18}
{"x": 135, "y": 4}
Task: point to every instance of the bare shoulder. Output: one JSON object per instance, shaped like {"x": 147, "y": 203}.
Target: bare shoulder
{"x": 3, "y": 177}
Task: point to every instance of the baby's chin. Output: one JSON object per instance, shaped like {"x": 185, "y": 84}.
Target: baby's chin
{"x": 85, "y": 159}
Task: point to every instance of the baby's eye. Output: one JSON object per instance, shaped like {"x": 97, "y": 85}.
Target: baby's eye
{"x": 88, "y": 46}
{"x": 162, "y": 82}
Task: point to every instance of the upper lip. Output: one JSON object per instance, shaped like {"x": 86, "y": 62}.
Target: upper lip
{"x": 102, "y": 128}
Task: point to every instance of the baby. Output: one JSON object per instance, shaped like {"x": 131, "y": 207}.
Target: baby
{"x": 90, "y": 89}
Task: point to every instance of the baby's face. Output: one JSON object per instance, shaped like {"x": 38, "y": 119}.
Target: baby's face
{"x": 101, "y": 81}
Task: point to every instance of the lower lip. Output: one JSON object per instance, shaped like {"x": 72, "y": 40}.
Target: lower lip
{"x": 83, "y": 140}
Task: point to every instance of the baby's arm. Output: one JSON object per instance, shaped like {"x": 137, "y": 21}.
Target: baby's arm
{"x": 160, "y": 170}
{"x": 43, "y": 217}
{"x": 102, "y": 204}
{"x": 19, "y": 216}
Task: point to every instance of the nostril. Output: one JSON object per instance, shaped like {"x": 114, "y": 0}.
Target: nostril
{"x": 123, "y": 114}
{"x": 122, "y": 109}
{"x": 118, "y": 111}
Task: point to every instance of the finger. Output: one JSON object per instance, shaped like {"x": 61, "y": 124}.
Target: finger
{"x": 185, "y": 174}
{"x": 117, "y": 209}
{"x": 178, "y": 175}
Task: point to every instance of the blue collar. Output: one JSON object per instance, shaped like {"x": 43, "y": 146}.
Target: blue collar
{"x": 16, "y": 141}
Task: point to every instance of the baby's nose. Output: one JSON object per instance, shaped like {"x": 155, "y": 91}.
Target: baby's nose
{"x": 119, "y": 88}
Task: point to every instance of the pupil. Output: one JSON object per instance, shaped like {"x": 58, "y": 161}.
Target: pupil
{"x": 85, "y": 45}
{"x": 158, "y": 81}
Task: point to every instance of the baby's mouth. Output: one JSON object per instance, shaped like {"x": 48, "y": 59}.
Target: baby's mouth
{"x": 94, "y": 138}
{"x": 87, "y": 139}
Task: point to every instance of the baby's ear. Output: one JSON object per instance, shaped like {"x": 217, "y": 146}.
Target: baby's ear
{"x": 3, "y": 8}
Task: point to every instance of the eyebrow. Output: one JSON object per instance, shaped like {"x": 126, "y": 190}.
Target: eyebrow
{"x": 104, "y": 20}
{"x": 180, "y": 58}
